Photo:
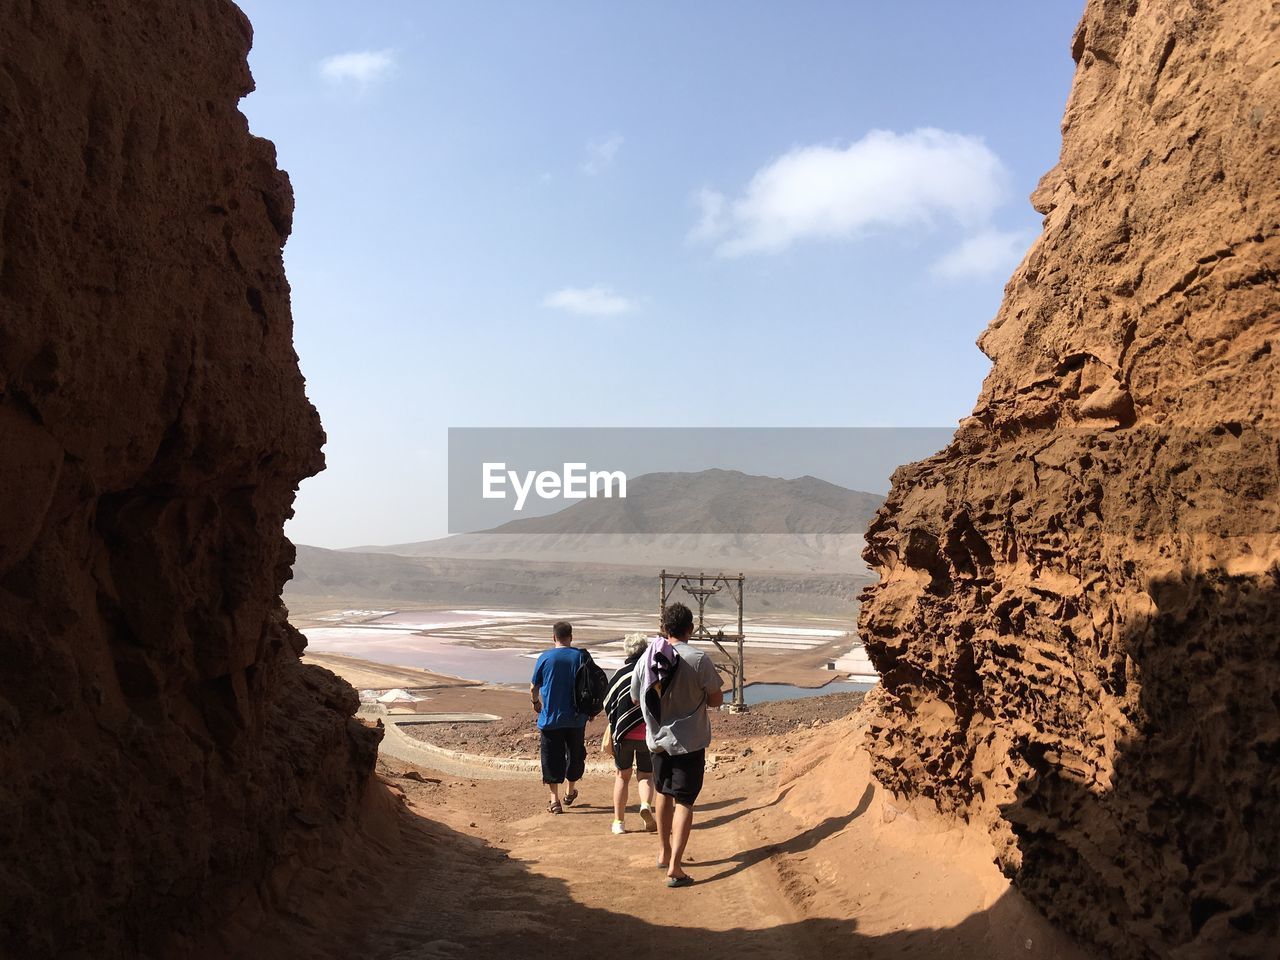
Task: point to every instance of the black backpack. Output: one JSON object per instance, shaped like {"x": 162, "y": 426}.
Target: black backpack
{"x": 590, "y": 686}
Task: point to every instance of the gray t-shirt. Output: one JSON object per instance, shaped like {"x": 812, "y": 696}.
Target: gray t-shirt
{"x": 685, "y": 725}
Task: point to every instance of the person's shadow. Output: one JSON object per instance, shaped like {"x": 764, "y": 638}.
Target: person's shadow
{"x": 730, "y": 817}
{"x": 799, "y": 843}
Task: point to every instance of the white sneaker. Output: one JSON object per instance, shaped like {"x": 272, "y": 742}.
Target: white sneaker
{"x": 618, "y": 828}
{"x": 650, "y": 824}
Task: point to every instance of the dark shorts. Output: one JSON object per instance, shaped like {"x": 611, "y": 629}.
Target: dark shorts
{"x": 624, "y": 751}
{"x": 679, "y": 775}
{"x": 564, "y": 754}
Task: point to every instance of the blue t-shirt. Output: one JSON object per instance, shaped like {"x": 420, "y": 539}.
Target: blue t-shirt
{"x": 553, "y": 675}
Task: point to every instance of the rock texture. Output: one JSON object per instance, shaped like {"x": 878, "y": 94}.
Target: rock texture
{"x": 165, "y": 760}
{"x": 1078, "y": 620}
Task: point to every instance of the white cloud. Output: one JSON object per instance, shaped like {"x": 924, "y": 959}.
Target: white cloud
{"x": 884, "y": 180}
{"x": 600, "y": 154}
{"x": 984, "y": 254}
{"x": 360, "y": 67}
{"x": 597, "y": 301}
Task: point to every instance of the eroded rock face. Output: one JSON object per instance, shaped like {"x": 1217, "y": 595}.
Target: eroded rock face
{"x": 163, "y": 752}
{"x": 1079, "y": 615}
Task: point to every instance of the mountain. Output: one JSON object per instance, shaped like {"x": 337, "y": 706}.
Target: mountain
{"x": 712, "y": 518}
{"x": 723, "y": 502}
{"x": 362, "y": 579}
{"x": 800, "y": 540}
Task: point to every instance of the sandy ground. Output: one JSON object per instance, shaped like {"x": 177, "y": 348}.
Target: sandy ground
{"x": 516, "y": 734}
{"x": 796, "y": 853}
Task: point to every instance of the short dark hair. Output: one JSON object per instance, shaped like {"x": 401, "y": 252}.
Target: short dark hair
{"x": 563, "y": 630}
{"x": 677, "y": 622}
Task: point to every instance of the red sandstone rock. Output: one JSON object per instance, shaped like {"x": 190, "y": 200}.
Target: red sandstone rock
{"x": 1078, "y": 615}
{"x": 163, "y": 753}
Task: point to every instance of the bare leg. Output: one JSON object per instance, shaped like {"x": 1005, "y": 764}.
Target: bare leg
{"x": 681, "y": 825}
{"x": 555, "y": 791}
{"x": 620, "y": 786}
{"x": 666, "y": 809}
{"x": 646, "y": 788}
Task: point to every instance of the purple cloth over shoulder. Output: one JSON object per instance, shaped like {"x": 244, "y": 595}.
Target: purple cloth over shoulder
{"x": 656, "y": 668}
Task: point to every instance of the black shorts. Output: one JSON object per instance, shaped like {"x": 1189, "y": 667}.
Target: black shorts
{"x": 624, "y": 751}
{"x": 679, "y": 775}
{"x": 564, "y": 754}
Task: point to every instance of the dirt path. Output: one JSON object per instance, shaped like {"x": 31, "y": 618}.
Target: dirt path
{"x": 532, "y": 885}
{"x": 789, "y": 863}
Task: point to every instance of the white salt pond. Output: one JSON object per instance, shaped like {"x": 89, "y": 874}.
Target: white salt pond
{"x": 442, "y": 641}
{"x": 409, "y": 648}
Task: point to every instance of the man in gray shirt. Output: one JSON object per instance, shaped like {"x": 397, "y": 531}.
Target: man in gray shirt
{"x": 678, "y": 733}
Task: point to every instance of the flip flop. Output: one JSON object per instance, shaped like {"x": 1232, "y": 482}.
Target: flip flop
{"x": 685, "y": 881}
{"x": 569, "y": 797}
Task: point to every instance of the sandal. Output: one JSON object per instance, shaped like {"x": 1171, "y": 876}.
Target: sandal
{"x": 569, "y": 797}
{"x": 554, "y": 807}
{"x": 684, "y": 881}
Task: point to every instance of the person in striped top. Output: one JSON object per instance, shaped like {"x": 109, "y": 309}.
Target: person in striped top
{"x": 624, "y": 737}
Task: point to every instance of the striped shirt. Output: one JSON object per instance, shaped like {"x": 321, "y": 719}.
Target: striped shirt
{"x": 624, "y": 714}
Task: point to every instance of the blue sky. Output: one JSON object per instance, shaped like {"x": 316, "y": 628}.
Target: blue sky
{"x": 607, "y": 214}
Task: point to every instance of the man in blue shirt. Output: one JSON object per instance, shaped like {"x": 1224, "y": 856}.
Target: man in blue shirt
{"x": 560, "y": 725}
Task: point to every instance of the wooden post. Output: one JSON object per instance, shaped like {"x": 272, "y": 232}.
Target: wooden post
{"x": 740, "y": 695}
{"x": 737, "y": 659}
{"x": 662, "y": 597}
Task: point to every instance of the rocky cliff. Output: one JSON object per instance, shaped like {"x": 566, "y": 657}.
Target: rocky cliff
{"x": 165, "y": 757}
{"x": 1078, "y": 620}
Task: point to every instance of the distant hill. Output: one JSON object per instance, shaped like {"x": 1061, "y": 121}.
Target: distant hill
{"x": 720, "y": 518}
{"x": 800, "y": 542}
{"x": 716, "y": 502}
{"x": 374, "y": 579}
